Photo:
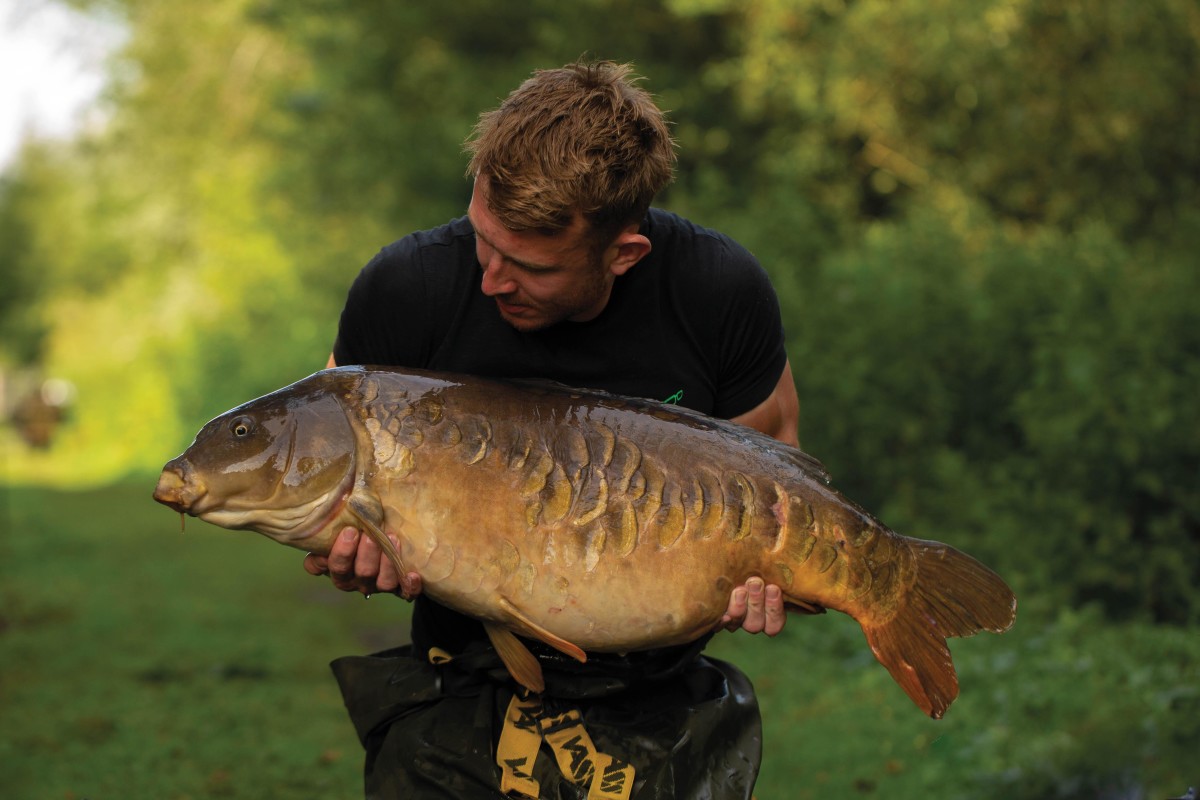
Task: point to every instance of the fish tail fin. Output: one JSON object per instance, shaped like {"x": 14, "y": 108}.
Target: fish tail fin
{"x": 953, "y": 595}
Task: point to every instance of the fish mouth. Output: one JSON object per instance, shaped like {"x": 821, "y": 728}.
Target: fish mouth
{"x": 176, "y": 491}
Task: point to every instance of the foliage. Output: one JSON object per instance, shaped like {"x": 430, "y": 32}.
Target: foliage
{"x": 22, "y": 330}
{"x": 1136, "y": 715}
{"x": 1014, "y": 395}
{"x": 1048, "y": 112}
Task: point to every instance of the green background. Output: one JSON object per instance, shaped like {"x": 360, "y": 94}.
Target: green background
{"x": 983, "y": 222}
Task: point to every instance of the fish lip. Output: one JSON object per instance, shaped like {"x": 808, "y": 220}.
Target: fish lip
{"x": 174, "y": 505}
{"x": 178, "y": 490}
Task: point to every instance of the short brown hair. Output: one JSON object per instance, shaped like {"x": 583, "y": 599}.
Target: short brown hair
{"x": 584, "y": 138}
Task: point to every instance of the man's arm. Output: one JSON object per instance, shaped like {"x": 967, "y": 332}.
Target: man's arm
{"x": 779, "y": 415}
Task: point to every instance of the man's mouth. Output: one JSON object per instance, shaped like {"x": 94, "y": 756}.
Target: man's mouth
{"x": 512, "y": 309}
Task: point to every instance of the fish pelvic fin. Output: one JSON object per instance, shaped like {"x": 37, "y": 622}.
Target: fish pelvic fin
{"x": 520, "y": 663}
{"x": 953, "y": 595}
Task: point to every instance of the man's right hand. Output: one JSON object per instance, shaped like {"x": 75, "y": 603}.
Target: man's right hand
{"x": 356, "y": 564}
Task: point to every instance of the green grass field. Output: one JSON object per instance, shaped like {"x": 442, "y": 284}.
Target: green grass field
{"x": 137, "y": 661}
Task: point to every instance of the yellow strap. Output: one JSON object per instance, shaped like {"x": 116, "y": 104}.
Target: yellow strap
{"x": 571, "y": 745}
{"x": 439, "y": 656}
{"x": 614, "y": 779}
{"x": 526, "y": 725}
{"x": 610, "y": 778}
{"x": 520, "y": 740}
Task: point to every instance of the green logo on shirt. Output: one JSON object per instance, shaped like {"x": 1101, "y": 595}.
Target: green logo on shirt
{"x": 676, "y": 398}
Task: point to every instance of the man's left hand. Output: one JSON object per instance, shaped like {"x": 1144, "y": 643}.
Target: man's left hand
{"x": 756, "y": 608}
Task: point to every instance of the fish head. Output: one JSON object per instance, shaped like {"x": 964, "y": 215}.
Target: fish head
{"x": 282, "y": 465}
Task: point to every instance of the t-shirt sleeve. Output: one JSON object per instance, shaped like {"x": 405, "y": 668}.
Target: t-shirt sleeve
{"x": 384, "y": 321}
{"x": 751, "y": 351}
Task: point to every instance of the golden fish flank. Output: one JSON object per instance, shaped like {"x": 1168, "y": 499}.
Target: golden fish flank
{"x": 565, "y": 481}
{"x": 581, "y": 519}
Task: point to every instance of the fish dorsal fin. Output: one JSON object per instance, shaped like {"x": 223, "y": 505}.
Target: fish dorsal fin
{"x": 521, "y": 664}
{"x": 531, "y": 628}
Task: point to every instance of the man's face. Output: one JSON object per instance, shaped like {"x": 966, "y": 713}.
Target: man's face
{"x": 538, "y": 280}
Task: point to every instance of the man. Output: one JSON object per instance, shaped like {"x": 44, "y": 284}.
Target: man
{"x": 561, "y": 270}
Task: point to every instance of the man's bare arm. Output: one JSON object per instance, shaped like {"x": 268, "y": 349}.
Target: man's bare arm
{"x": 779, "y": 415}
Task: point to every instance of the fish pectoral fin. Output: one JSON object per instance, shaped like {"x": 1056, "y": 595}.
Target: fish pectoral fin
{"x": 520, "y": 663}
{"x": 531, "y": 628}
{"x": 367, "y": 509}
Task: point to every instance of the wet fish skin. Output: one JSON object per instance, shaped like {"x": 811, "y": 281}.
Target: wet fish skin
{"x": 585, "y": 520}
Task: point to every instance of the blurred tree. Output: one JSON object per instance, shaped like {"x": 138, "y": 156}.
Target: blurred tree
{"x": 371, "y": 133}
{"x": 1025, "y": 397}
{"x": 1051, "y": 112}
{"x": 22, "y": 328}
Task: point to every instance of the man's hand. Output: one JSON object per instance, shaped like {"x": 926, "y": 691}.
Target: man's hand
{"x": 356, "y": 564}
{"x": 755, "y": 608}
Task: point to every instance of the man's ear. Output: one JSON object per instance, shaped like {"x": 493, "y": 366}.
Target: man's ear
{"x": 627, "y": 249}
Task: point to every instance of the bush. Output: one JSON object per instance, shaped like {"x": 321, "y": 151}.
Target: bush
{"x": 1027, "y": 398}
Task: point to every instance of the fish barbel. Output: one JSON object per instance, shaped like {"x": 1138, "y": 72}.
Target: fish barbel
{"x": 580, "y": 519}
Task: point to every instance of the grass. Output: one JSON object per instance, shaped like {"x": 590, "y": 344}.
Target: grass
{"x": 139, "y": 662}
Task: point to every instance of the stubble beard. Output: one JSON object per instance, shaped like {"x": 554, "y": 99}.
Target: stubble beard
{"x": 585, "y": 301}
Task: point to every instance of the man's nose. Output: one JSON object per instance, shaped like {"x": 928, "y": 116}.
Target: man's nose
{"x": 496, "y": 279}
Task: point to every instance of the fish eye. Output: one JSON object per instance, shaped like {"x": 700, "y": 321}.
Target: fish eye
{"x": 240, "y": 427}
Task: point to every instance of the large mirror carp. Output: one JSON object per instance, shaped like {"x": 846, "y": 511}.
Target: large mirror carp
{"x": 580, "y": 519}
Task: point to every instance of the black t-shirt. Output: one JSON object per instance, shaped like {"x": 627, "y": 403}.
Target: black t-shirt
{"x": 695, "y": 322}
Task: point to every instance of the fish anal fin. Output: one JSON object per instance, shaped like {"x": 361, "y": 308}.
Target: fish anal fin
{"x": 521, "y": 664}
{"x": 953, "y": 595}
{"x": 531, "y": 628}
{"x": 803, "y": 606}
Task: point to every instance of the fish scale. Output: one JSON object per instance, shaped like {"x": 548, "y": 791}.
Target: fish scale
{"x": 587, "y": 521}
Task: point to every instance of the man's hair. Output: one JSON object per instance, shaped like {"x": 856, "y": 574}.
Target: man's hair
{"x": 584, "y": 138}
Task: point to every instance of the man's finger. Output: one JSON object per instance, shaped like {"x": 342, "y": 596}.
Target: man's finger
{"x": 736, "y": 611}
{"x": 387, "y": 579}
{"x": 366, "y": 563}
{"x": 316, "y": 565}
{"x": 776, "y": 614}
{"x": 341, "y": 559}
{"x": 410, "y": 585}
{"x": 756, "y": 615}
